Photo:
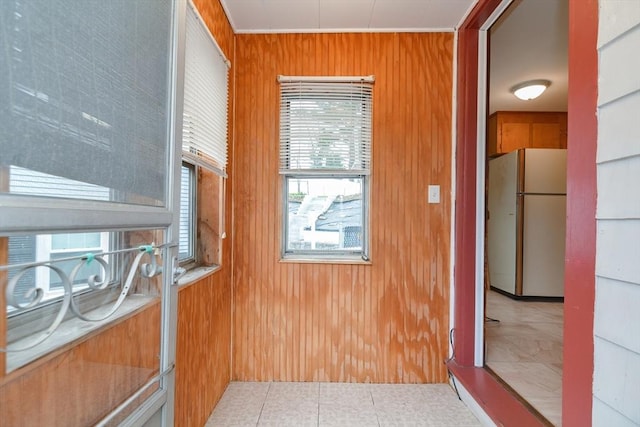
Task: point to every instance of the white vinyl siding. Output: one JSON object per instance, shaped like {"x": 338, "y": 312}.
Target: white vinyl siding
{"x": 616, "y": 379}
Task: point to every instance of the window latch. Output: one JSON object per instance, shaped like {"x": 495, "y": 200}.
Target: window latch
{"x": 178, "y": 271}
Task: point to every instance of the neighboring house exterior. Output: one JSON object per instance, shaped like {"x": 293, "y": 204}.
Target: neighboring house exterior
{"x": 616, "y": 375}
{"x": 337, "y": 226}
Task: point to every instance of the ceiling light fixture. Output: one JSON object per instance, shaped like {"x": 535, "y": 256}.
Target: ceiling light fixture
{"x": 531, "y": 89}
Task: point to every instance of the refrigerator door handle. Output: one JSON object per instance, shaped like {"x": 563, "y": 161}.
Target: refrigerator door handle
{"x": 522, "y": 193}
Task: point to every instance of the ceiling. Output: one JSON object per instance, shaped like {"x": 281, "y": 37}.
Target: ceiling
{"x": 284, "y": 16}
{"x": 528, "y": 42}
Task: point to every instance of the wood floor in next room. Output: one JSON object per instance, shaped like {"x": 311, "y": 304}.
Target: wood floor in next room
{"x": 524, "y": 348}
{"x": 340, "y": 404}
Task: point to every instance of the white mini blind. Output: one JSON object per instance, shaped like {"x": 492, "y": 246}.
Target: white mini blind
{"x": 206, "y": 89}
{"x": 325, "y": 125}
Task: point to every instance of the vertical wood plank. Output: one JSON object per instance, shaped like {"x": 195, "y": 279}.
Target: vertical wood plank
{"x": 384, "y": 322}
{"x": 83, "y": 384}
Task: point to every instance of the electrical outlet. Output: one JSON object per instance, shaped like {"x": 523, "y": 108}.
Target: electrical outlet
{"x": 434, "y": 194}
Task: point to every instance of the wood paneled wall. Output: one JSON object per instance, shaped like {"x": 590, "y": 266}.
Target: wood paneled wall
{"x": 203, "y": 357}
{"x": 384, "y": 322}
{"x": 203, "y": 353}
{"x": 80, "y": 386}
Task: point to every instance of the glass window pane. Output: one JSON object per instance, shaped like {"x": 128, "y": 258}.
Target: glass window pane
{"x": 81, "y": 278}
{"x": 186, "y": 239}
{"x": 41, "y": 248}
{"x": 75, "y": 241}
{"x": 324, "y": 214}
{"x": 35, "y": 301}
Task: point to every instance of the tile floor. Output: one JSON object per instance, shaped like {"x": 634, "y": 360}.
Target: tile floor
{"x": 525, "y": 349}
{"x": 340, "y": 404}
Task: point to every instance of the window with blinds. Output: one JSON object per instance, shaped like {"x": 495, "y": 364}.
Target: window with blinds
{"x": 325, "y": 127}
{"x": 325, "y": 162}
{"x": 206, "y": 80}
{"x": 204, "y": 144}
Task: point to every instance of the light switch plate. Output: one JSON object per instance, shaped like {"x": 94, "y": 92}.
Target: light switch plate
{"x": 434, "y": 194}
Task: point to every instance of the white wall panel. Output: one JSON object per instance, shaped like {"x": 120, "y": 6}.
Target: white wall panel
{"x": 616, "y": 17}
{"x": 619, "y": 384}
{"x": 619, "y": 189}
{"x": 617, "y": 313}
{"x": 618, "y": 250}
{"x": 621, "y": 139}
{"x": 622, "y": 54}
{"x": 605, "y": 416}
{"x": 616, "y": 385}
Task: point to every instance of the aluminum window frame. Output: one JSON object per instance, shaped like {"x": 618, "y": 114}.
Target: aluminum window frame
{"x": 360, "y": 255}
{"x": 192, "y": 258}
{"x": 325, "y": 89}
{"x": 40, "y": 215}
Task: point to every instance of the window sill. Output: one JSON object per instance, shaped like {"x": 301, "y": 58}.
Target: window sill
{"x": 325, "y": 260}
{"x": 196, "y": 274}
{"x": 72, "y": 330}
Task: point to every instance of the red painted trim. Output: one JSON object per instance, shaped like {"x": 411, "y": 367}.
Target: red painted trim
{"x": 581, "y": 203}
{"x": 465, "y": 217}
{"x": 577, "y": 381}
{"x": 498, "y": 403}
{"x": 465, "y": 210}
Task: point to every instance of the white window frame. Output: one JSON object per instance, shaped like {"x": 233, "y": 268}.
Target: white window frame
{"x": 360, "y": 172}
{"x": 192, "y": 200}
{"x": 44, "y": 252}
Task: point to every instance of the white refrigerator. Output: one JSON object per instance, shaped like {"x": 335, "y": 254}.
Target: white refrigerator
{"x": 526, "y": 222}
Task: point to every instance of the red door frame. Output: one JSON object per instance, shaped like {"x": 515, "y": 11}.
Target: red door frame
{"x": 580, "y": 258}
{"x": 581, "y": 226}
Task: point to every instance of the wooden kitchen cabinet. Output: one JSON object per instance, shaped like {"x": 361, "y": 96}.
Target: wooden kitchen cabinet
{"x": 510, "y": 130}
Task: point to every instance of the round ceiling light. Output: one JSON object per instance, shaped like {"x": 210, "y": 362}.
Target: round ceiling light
{"x": 531, "y": 89}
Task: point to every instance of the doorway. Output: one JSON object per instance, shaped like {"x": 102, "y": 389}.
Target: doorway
{"x": 524, "y": 281}
{"x": 577, "y": 396}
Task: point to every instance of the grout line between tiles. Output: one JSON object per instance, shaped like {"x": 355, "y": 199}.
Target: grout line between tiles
{"x": 266, "y": 396}
{"x": 396, "y": 412}
{"x": 318, "y": 417}
{"x": 373, "y": 404}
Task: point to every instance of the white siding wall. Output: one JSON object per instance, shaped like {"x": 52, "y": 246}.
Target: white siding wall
{"x": 616, "y": 382}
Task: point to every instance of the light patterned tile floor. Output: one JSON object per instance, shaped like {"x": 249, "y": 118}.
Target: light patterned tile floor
{"x": 340, "y": 404}
{"x": 525, "y": 349}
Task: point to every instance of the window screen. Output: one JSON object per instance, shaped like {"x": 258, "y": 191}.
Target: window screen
{"x": 75, "y": 101}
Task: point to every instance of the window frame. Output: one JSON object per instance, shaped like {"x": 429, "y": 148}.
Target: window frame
{"x": 45, "y": 252}
{"x": 346, "y": 255}
{"x": 206, "y": 252}
{"x": 192, "y": 259}
{"x": 110, "y": 240}
{"x": 287, "y": 174}
{"x": 205, "y": 142}
{"x": 22, "y": 214}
